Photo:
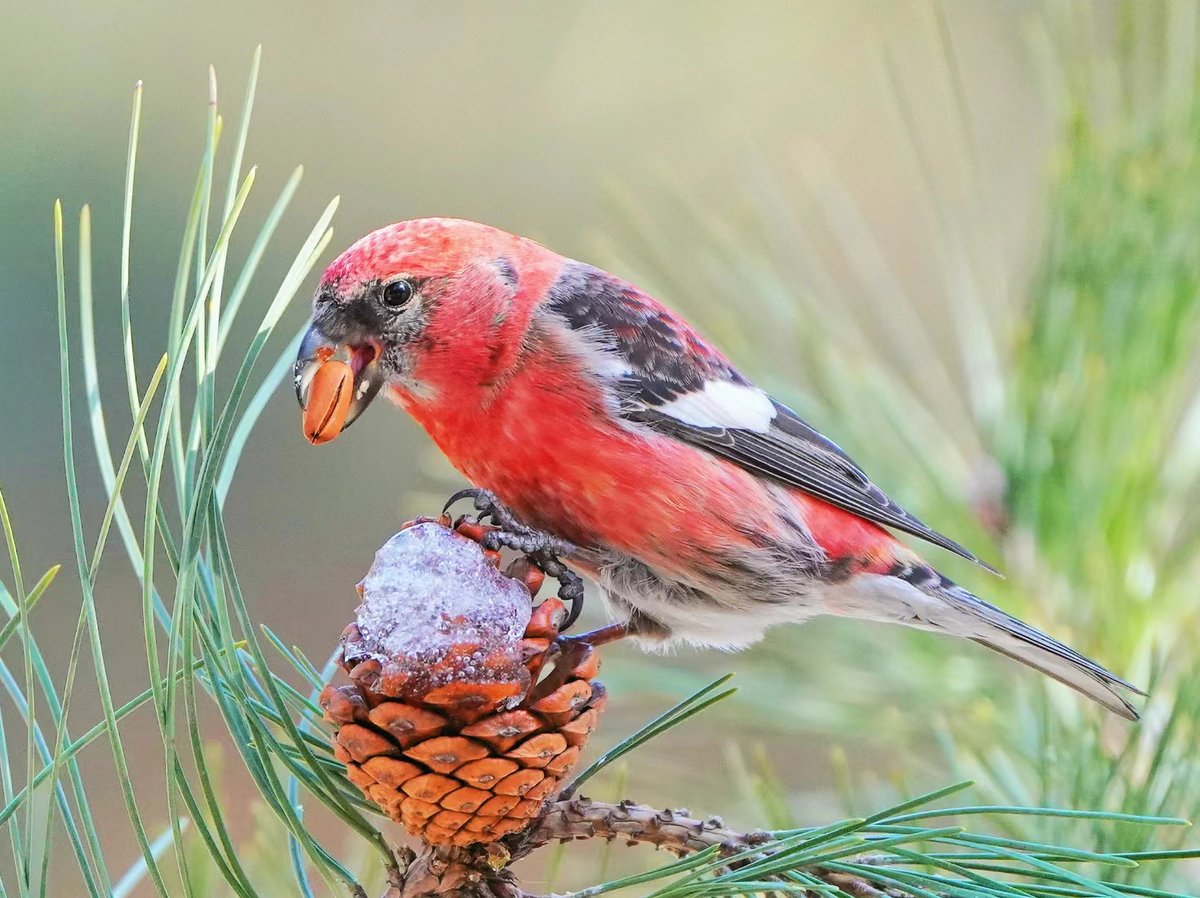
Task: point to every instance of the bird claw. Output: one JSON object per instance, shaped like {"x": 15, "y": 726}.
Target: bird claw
{"x": 570, "y": 590}
{"x": 544, "y": 549}
{"x": 483, "y": 500}
{"x": 488, "y": 505}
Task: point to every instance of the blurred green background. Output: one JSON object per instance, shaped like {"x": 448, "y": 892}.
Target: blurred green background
{"x": 963, "y": 238}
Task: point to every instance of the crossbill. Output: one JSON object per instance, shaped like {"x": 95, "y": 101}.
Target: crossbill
{"x": 704, "y": 509}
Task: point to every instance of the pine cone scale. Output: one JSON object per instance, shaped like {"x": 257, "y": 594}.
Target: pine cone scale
{"x": 486, "y": 772}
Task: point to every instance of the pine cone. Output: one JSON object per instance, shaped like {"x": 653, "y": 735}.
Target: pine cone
{"x": 448, "y": 724}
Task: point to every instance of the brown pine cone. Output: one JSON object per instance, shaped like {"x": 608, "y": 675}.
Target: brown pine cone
{"x": 448, "y": 724}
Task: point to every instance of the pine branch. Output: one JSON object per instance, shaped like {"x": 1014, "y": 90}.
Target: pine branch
{"x": 483, "y": 872}
{"x": 627, "y": 821}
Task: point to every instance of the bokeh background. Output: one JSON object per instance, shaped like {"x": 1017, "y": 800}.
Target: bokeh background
{"x": 963, "y": 238}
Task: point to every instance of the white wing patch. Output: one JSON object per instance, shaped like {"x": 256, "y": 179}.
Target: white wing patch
{"x": 723, "y": 403}
{"x": 595, "y": 350}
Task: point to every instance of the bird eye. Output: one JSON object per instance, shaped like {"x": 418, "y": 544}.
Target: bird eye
{"x": 397, "y": 294}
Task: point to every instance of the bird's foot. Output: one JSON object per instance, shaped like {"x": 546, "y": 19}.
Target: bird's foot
{"x": 511, "y": 532}
{"x": 544, "y": 549}
{"x": 488, "y": 505}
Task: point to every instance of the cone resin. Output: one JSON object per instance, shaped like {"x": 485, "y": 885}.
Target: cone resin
{"x": 451, "y": 723}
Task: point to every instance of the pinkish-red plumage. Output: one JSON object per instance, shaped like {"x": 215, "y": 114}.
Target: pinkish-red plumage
{"x": 706, "y": 510}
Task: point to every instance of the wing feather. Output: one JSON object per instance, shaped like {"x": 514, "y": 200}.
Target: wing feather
{"x": 666, "y": 377}
{"x": 804, "y": 464}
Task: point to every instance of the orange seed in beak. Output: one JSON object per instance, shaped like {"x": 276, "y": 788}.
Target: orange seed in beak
{"x": 329, "y": 397}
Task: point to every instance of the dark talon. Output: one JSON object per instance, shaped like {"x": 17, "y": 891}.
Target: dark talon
{"x": 484, "y": 502}
{"x": 470, "y": 491}
{"x": 570, "y": 589}
{"x": 489, "y": 506}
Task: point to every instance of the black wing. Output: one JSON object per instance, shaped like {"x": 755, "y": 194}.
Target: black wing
{"x": 664, "y": 361}
{"x": 793, "y": 453}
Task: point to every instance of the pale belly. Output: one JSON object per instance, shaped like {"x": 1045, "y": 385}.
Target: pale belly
{"x": 727, "y": 612}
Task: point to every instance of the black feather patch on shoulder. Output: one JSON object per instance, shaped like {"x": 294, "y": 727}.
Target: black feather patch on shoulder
{"x": 659, "y": 348}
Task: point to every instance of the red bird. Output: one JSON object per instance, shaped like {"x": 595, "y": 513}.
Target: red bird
{"x": 704, "y": 509}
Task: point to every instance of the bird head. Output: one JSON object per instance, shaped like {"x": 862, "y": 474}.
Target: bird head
{"x": 417, "y": 307}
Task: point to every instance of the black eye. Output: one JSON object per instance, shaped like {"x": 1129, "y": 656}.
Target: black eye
{"x": 397, "y": 294}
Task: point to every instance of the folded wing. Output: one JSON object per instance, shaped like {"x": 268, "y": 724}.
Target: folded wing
{"x": 664, "y": 376}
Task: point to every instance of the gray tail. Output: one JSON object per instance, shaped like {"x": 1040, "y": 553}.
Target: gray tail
{"x": 965, "y": 614}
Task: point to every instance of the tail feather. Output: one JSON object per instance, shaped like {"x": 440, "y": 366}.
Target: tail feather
{"x": 1091, "y": 680}
{"x": 930, "y": 601}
